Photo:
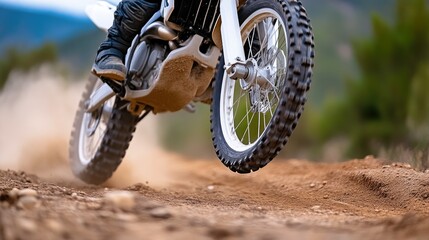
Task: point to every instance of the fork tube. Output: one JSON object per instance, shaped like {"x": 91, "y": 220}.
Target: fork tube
{"x": 231, "y": 34}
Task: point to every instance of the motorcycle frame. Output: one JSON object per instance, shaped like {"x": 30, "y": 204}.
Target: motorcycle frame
{"x": 233, "y": 51}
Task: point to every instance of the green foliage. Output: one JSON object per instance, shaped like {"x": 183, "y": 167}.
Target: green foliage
{"x": 418, "y": 105}
{"x": 15, "y": 59}
{"x": 393, "y": 89}
{"x": 335, "y": 23}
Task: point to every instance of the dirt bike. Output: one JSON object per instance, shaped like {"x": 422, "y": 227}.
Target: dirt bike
{"x": 250, "y": 60}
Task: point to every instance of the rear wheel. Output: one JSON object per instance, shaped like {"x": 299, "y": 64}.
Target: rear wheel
{"x": 251, "y": 123}
{"x": 100, "y": 139}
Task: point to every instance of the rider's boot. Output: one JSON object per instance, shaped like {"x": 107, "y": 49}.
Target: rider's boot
{"x": 130, "y": 17}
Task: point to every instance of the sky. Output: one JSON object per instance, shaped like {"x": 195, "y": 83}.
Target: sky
{"x": 74, "y": 7}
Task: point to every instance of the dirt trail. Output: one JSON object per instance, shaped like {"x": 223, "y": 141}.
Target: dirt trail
{"x": 176, "y": 198}
{"x": 287, "y": 199}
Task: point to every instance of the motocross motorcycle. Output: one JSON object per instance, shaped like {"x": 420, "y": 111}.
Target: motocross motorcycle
{"x": 250, "y": 60}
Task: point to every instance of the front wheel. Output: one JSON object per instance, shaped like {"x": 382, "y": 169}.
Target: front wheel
{"x": 99, "y": 139}
{"x": 251, "y": 124}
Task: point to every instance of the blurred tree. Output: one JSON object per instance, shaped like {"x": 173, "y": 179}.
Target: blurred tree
{"x": 14, "y": 59}
{"x": 393, "y": 88}
{"x": 418, "y": 105}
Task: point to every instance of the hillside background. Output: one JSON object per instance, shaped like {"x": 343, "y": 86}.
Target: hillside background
{"x": 32, "y": 36}
{"x": 335, "y": 23}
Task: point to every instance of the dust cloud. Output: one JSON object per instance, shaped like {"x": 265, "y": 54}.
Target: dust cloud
{"x": 36, "y": 115}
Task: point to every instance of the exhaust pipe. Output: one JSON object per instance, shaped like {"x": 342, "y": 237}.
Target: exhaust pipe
{"x": 159, "y": 31}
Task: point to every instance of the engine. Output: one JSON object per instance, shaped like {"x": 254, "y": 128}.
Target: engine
{"x": 146, "y": 64}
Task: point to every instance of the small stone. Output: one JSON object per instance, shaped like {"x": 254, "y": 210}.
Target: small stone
{"x": 293, "y": 222}
{"x": 427, "y": 171}
{"x": 74, "y": 195}
{"x": 137, "y": 187}
{"x": 93, "y": 205}
{"x": 223, "y": 232}
{"x": 211, "y": 188}
{"x": 314, "y": 208}
{"x": 386, "y": 166}
{"x": 126, "y": 217}
{"x": 312, "y": 185}
{"x": 28, "y": 202}
{"x": 91, "y": 199}
{"x": 160, "y": 213}
{"x": 27, "y": 225}
{"x": 407, "y": 165}
{"x": 325, "y": 182}
{"x": 325, "y": 197}
{"x": 171, "y": 228}
{"x": 54, "y": 226}
{"x": 27, "y": 192}
{"x": 120, "y": 199}
{"x": 369, "y": 157}
{"x": 149, "y": 205}
{"x": 219, "y": 233}
{"x": 105, "y": 214}
{"x": 377, "y": 210}
{"x": 13, "y": 194}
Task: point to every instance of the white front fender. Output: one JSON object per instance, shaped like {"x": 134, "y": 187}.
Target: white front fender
{"x": 101, "y": 14}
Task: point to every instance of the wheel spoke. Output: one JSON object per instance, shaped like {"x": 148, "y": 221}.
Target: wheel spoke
{"x": 265, "y": 41}
{"x": 247, "y": 117}
{"x": 250, "y": 41}
{"x": 259, "y": 123}
{"x": 93, "y": 129}
{"x": 270, "y": 108}
{"x": 248, "y": 130}
{"x": 265, "y": 123}
{"x": 244, "y": 118}
{"x": 240, "y": 97}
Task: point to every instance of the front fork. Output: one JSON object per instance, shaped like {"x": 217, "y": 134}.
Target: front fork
{"x": 236, "y": 65}
{"x": 231, "y": 33}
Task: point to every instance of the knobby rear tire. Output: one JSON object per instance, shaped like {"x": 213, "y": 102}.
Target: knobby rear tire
{"x": 110, "y": 152}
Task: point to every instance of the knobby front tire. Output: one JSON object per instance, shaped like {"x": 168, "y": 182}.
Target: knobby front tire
{"x": 243, "y": 138}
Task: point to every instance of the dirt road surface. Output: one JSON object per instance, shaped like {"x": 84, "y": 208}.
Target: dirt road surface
{"x": 173, "y": 197}
{"x": 361, "y": 199}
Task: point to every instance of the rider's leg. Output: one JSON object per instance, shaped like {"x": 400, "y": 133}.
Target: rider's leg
{"x": 130, "y": 17}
